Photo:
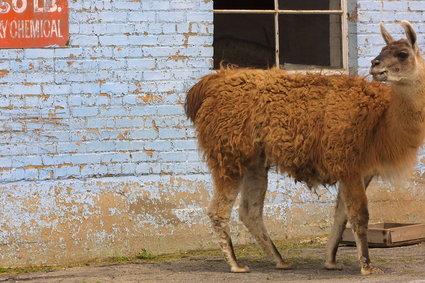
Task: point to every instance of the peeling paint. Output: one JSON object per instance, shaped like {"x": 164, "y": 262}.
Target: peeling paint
{"x": 4, "y": 73}
{"x": 77, "y": 220}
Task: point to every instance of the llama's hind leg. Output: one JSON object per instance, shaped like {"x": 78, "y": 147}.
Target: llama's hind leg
{"x": 340, "y": 220}
{"x": 254, "y": 188}
{"x": 219, "y": 211}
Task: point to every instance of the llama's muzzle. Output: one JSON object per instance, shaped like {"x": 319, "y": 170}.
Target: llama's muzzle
{"x": 378, "y": 72}
{"x": 379, "y": 75}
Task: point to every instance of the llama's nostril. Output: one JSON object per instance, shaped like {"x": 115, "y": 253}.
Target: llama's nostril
{"x": 375, "y": 63}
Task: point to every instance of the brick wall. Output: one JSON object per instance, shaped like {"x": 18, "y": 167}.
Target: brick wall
{"x": 94, "y": 146}
{"x": 96, "y": 156}
{"x": 110, "y": 104}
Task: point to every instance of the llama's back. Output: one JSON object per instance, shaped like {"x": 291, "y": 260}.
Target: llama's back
{"x": 313, "y": 127}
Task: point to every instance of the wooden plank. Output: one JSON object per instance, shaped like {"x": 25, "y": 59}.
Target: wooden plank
{"x": 389, "y": 234}
{"x": 378, "y": 236}
{"x": 407, "y": 233}
{"x": 375, "y": 236}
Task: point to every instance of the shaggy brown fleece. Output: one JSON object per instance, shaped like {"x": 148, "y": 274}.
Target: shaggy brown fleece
{"x": 316, "y": 128}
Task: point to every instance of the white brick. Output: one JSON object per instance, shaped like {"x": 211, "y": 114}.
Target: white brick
{"x": 173, "y": 156}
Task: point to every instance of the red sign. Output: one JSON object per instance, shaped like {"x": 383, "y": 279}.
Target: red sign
{"x": 33, "y": 23}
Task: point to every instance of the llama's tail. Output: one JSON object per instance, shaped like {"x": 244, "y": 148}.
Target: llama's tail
{"x": 196, "y": 96}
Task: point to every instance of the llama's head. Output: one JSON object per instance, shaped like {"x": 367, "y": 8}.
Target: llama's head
{"x": 400, "y": 60}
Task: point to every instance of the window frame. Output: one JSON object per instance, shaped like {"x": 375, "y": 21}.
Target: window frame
{"x": 276, "y": 12}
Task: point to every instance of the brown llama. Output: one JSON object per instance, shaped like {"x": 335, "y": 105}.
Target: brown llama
{"x": 319, "y": 129}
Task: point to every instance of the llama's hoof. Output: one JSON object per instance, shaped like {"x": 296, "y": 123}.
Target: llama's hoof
{"x": 371, "y": 270}
{"x": 284, "y": 265}
{"x": 239, "y": 269}
{"x": 333, "y": 266}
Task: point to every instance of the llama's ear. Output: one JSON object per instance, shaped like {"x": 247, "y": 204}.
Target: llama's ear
{"x": 410, "y": 33}
{"x": 385, "y": 34}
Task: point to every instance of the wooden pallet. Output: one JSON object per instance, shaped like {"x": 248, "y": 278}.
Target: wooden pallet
{"x": 389, "y": 234}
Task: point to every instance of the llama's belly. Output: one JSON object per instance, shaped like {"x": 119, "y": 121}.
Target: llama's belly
{"x": 302, "y": 170}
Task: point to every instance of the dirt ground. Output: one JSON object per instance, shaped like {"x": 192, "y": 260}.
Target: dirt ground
{"x": 401, "y": 264}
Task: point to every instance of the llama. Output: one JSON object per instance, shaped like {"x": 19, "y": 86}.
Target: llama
{"x": 320, "y": 130}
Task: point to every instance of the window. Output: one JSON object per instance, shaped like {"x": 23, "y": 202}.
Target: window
{"x": 290, "y": 34}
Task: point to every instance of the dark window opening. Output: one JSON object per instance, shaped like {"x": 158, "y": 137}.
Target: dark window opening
{"x": 306, "y": 39}
{"x": 245, "y": 40}
{"x": 304, "y": 5}
{"x": 244, "y": 4}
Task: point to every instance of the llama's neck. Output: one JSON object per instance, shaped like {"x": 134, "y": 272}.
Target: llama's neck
{"x": 406, "y": 112}
{"x": 405, "y": 118}
{"x": 402, "y": 131}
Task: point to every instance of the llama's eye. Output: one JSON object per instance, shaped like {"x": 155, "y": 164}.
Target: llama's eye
{"x": 403, "y": 55}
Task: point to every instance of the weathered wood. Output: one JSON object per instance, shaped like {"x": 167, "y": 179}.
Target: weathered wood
{"x": 389, "y": 234}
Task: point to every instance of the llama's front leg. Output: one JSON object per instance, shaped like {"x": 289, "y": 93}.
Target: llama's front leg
{"x": 340, "y": 220}
{"x": 353, "y": 194}
{"x": 219, "y": 212}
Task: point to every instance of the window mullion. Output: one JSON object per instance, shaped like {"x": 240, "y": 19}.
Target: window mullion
{"x": 344, "y": 34}
{"x": 276, "y": 30}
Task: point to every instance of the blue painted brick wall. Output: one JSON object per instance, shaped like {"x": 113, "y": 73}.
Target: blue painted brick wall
{"x": 371, "y": 12}
{"x": 95, "y": 108}
{"x": 124, "y": 78}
